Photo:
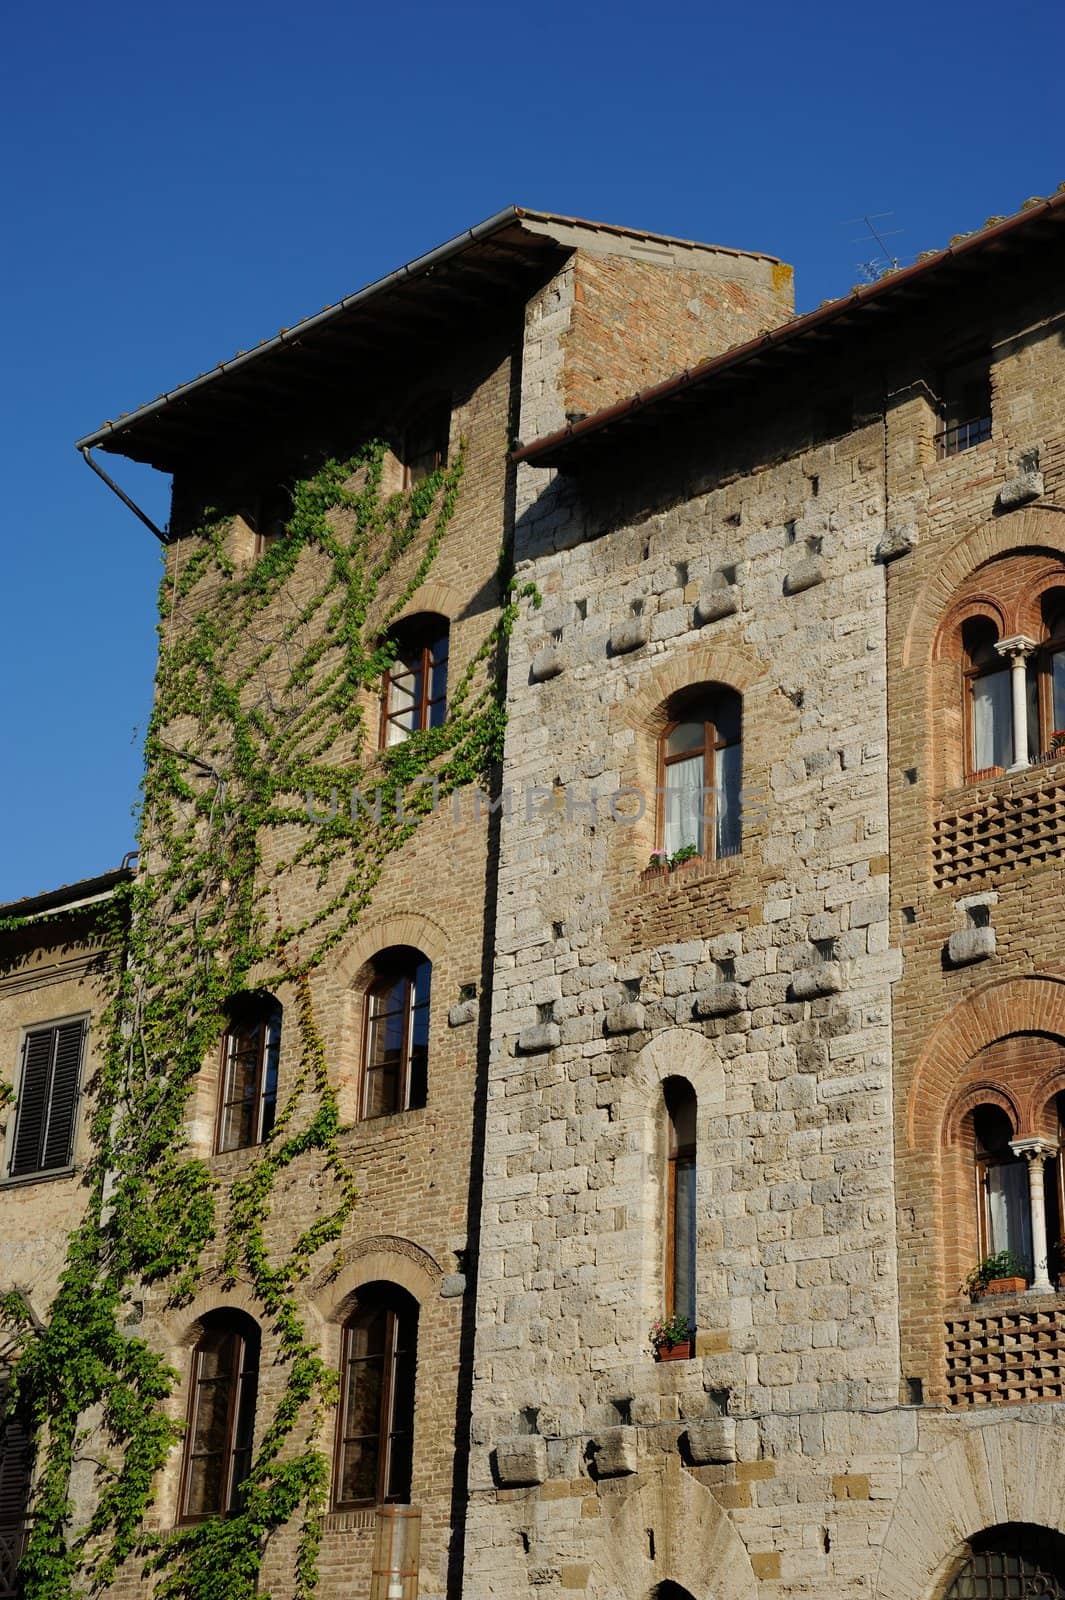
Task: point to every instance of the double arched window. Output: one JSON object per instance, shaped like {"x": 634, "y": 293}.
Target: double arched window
{"x": 221, "y": 1419}
{"x": 701, "y": 773}
{"x": 414, "y": 692}
{"x": 251, "y": 1049}
{"x": 396, "y": 1053}
{"x": 375, "y": 1436}
{"x": 681, "y": 1106}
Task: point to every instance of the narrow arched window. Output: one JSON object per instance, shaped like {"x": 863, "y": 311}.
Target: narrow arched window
{"x": 375, "y": 1439}
{"x": 396, "y": 1064}
{"x": 702, "y": 773}
{"x": 680, "y": 1199}
{"x": 414, "y": 694}
{"x": 251, "y": 1048}
{"x": 221, "y": 1420}
{"x": 989, "y": 697}
{"x": 1002, "y": 1185}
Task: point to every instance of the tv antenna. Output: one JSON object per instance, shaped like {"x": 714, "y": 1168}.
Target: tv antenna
{"x": 885, "y": 261}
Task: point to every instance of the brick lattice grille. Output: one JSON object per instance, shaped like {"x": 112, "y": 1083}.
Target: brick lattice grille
{"x": 1002, "y": 829}
{"x": 1005, "y": 1357}
{"x": 12, "y": 1541}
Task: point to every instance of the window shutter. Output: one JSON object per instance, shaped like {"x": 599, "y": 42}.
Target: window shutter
{"x": 15, "y": 1459}
{"x": 66, "y": 1069}
{"x": 48, "y": 1093}
{"x": 32, "y": 1101}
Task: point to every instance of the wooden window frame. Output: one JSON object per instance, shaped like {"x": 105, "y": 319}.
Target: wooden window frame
{"x": 711, "y": 745}
{"x": 268, "y": 1018}
{"x": 33, "y": 1031}
{"x": 240, "y": 1328}
{"x": 429, "y": 661}
{"x": 407, "y": 974}
{"x": 394, "y": 1317}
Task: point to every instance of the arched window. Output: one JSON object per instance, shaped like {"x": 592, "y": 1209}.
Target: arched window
{"x": 1015, "y": 1562}
{"x": 375, "y": 1439}
{"x": 221, "y": 1421}
{"x": 414, "y": 693}
{"x": 396, "y": 1062}
{"x": 251, "y": 1047}
{"x": 1002, "y": 1186}
{"x": 1052, "y": 667}
{"x": 680, "y": 1199}
{"x": 989, "y": 718}
{"x": 701, "y": 761}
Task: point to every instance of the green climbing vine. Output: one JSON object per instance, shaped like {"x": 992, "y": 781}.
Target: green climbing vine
{"x": 265, "y": 678}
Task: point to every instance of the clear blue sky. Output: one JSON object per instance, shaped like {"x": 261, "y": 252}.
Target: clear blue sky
{"x": 182, "y": 181}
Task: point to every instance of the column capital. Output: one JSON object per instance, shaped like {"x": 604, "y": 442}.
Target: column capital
{"x": 1034, "y": 1149}
{"x": 1018, "y": 644}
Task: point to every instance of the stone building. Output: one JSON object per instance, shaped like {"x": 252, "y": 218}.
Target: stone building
{"x": 742, "y": 1001}
{"x": 434, "y": 360}
{"x": 798, "y": 1079}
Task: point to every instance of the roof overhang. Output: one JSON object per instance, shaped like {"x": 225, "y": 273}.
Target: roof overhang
{"x": 449, "y": 292}
{"x": 879, "y": 306}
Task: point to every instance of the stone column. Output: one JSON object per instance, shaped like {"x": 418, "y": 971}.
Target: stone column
{"x": 1036, "y": 1152}
{"x": 1018, "y": 649}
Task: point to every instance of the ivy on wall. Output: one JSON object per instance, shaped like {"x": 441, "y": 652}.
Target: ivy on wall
{"x": 265, "y": 678}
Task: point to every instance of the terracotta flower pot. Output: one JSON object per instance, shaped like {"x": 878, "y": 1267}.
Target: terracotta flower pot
{"x": 1007, "y": 1285}
{"x": 674, "y": 1352}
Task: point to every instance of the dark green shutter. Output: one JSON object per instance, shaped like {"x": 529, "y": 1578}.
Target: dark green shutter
{"x": 48, "y": 1098}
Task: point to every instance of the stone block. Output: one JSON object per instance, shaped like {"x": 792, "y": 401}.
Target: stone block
{"x": 719, "y": 1000}
{"x": 630, "y": 635}
{"x": 628, "y": 1018}
{"x": 1019, "y": 490}
{"x": 521, "y": 1461}
{"x": 462, "y": 1014}
{"x": 452, "y": 1285}
{"x": 535, "y": 1040}
{"x": 809, "y": 983}
{"x": 804, "y": 575}
{"x": 615, "y": 1452}
{"x": 547, "y": 663}
{"x": 897, "y": 542}
{"x": 967, "y": 945}
{"x": 712, "y": 1442}
{"x": 716, "y": 601}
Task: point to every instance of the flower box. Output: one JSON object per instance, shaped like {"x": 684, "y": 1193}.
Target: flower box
{"x": 674, "y": 1352}
{"x": 1007, "y": 1285}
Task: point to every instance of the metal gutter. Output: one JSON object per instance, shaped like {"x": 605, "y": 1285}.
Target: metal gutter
{"x": 538, "y": 452}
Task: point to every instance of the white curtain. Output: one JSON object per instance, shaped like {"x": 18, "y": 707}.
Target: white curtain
{"x": 729, "y": 778}
{"x": 992, "y": 721}
{"x": 1008, "y": 1210}
{"x": 684, "y": 804}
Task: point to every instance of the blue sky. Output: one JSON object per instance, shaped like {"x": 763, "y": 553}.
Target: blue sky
{"x": 183, "y": 181}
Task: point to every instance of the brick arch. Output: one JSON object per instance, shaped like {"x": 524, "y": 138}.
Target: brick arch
{"x": 381, "y": 1259}
{"x": 439, "y": 598}
{"x": 1049, "y": 1085}
{"x": 1042, "y": 529}
{"x": 1008, "y": 1006}
{"x": 727, "y": 664}
{"x": 411, "y": 928}
{"x": 1001, "y": 1472}
{"x": 696, "y": 1543}
{"x": 981, "y": 1094}
{"x": 217, "y": 1296}
{"x": 947, "y": 644}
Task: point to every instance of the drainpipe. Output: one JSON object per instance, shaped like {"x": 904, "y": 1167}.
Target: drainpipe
{"x": 160, "y": 534}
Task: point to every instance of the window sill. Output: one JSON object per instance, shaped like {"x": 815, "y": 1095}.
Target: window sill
{"x": 52, "y": 1176}
{"x": 361, "y": 1519}
{"x": 658, "y": 879}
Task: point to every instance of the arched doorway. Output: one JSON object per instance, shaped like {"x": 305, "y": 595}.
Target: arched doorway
{"x": 669, "y": 1591}
{"x": 1014, "y": 1562}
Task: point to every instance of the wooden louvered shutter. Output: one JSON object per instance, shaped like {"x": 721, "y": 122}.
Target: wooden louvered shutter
{"x": 48, "y": 1093}
{"x": 16, "y": 1462}
{"x": 63, "y": 1100}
